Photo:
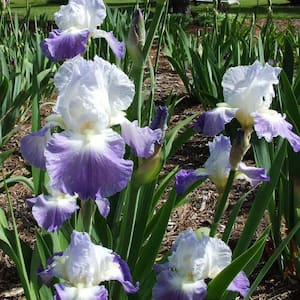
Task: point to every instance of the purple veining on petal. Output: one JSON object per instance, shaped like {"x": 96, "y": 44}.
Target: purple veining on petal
{"x": 103, "y": 206}
{"x": 61, "y": 45}
{"x": 185, "y": 178}
{"x": 33, "y": 147}
{"x": 165, "y": 288}
{"x": 117, "y": 47}
{"x": 65, "y": 292}
{"x": 88, "y": 168}
{"x": 273, "y": 124}
{"x": 50, "y": 213}
{"x": 253, "y": 175}
{"x": 141, "y": 140}
{"x": 126, "y": 278}
{"x": 213, "y": 122}
{"x": 240, "y": 284}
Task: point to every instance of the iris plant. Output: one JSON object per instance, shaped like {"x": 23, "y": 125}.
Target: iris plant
{"x": 192, "y": 262}
{"x": 86, "y": 157}
{"x": 248, "y": 93}
{"x": 77, "y": 22}
{"x": 82, "y": 267}
{"x": 217, "y": 168}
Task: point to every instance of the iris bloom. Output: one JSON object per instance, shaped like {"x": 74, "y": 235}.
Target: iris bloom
{"x": 191, "y": 263}
{"x": 82, "y": 267}
{"x": 86, "y": 158}
{"x": 77, "y": 22}
{"x": 217, "y": 168}
{"x": 248, "y": 93}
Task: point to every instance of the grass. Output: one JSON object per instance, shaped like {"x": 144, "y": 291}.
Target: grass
{"x": 281, "y": 8}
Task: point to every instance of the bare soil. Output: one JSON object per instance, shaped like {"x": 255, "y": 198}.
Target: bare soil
{"x": 198, "y": 212}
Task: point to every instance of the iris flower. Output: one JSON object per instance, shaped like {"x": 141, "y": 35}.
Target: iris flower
{"x": 217, "y": 168}
{"x": 82, "y": 267}
{"x": 77, "y": 22}
{"x": 248, "y": 93}
{"x": 191, "y": 263}
{"x": 86, "y": 158}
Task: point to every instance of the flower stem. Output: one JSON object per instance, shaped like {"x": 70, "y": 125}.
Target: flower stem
{"x": 221, "y": 204}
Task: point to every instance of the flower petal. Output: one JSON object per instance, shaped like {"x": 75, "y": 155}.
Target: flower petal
{"x": 124, "y": 276}
{"x": 103, "y": 206}
{"x": 170, "y": 286}
{"x": 240, "y": 284}
{"x": 213, "y": 122}
{"x": 65, "y": 292}
{"x": 51, "y": 212}
{"x": 141, "y": 140}
{"x": 252, "y": 174}
{"x": 89, "y": 166}
{"x": 117, "y": 47}
{"x": 185, "y": 178}
{"x": 62, "y": 45}
{"x": 33, "y": 147}
{"x": 272, "y": 124}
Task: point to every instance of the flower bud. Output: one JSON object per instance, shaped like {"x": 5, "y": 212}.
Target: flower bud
{"x": 136, "y": 37}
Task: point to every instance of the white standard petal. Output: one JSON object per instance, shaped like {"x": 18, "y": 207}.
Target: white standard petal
{"x": 217, "y": 164}
{"x": 217, "y": 256}
{"x": 80, "y": 14}
{"x": 92, "y": 94}
{"x": 250, "y": 88}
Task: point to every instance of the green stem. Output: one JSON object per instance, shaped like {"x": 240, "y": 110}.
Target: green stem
{"x": 87, "y": 212}
{"x": 29, "y": 293}
{"x": 221, "y": 204}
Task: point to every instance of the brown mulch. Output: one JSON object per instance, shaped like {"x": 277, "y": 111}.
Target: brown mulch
{"x": 198, "y": 212}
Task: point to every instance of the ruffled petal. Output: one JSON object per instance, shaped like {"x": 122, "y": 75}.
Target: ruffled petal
{"x": 124, "y": 276}
{"x": 63, "y": 45}
{"x": 185, "y": 178}
{"x": 213, "y": 122}
{"x": 252, "y": 174}
{"x": 141, "y": 140}
{"x": 117, "y": 47}
{"x": 90, "y": 166}
{"x": 240, "y": 284}
{"x": 170, "y": 286}
{"x": 51, "y": 212}
{"x": 33, "y": 147}
{"x": 272, "y": 124}
{"x": 103, "y": 206}
{"x": 65, "y": 292}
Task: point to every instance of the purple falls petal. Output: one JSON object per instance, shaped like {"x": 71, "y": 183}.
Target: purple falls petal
{"x": 61, "y": 45}
{"x": 185, "y": 178}
{"x": 125, "y": 278}
{"x": 141, "y": 140}
{"x": 88, "y": 167}
{"x": 240, "y": 284}
{"x": 47, "y": 273}
{"x": 103, "y": 206}
{"x": 33, "y": 147}
{"x": 117, "y": 47}
{"x": 252, "y": 174}
{"x": 65, "y": 292}
{"x": 213, "y": 122}
{"x": 273, "y": 124}
{"x": 169, "y": 287}
{"x": 50, "y": 213}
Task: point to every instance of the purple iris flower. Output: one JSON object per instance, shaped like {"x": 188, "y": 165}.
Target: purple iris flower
{"x": 217, "y": 168}
{"x": 82, "y": 267}
{"x": 248, "y": 93}
{"x": 77, "y": 22}
{"x": 52, "y": 210}
{"x": 86, "y": 158}
{"x": 191, "y": 262}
